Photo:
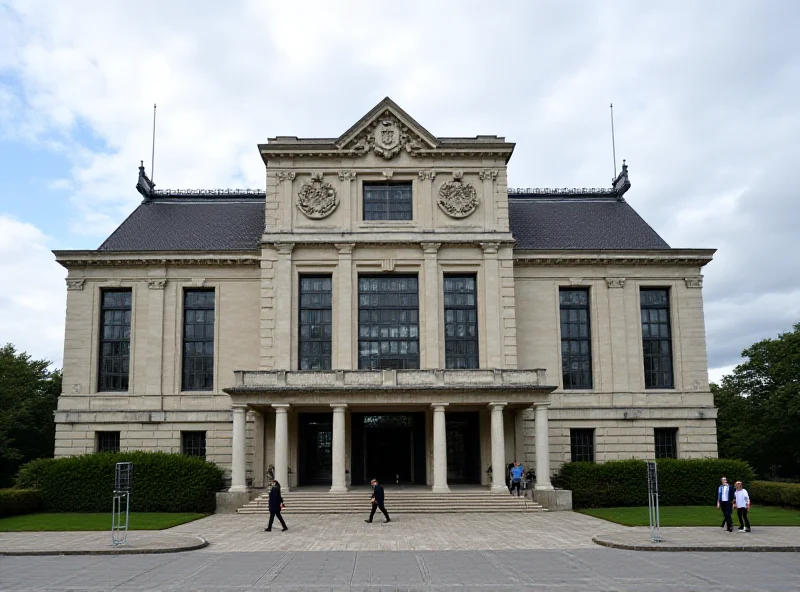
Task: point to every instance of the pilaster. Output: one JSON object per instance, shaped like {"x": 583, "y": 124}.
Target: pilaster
{"x": 494, "y": 345}
{"x": 433, "y": 329}
{"x": 344, "y": 319}
{"x": 283, "y": 308}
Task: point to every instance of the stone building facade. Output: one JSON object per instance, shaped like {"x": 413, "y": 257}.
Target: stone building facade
{"x": 387, "y": 307}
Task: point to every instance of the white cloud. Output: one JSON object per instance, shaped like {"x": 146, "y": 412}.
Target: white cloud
{"x": 704, "y": 104}
{"x": 33, "y": 296}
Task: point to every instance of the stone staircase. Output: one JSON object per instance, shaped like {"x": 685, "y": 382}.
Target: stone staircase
{"x": 398, "y": 501}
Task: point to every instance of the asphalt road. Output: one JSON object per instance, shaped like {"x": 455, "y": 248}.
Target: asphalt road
{"x": 586, "y": 570}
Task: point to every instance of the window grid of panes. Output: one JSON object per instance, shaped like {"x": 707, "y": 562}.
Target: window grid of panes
{"x": 115, "y": 340}
{"x": 107, "y": 441}
{"x": 581, "y": 443}
{"x": 460, "y": 322}
{"x": 666, "y": 441}
{"x": 193, "y": 444}
{"x": 198, "y": 340}
{"x": 316, "y": 323}
{"x": 656, "y": 338}
{"x": 388, "y": 322}
{"x": 576, "y": 341}
{"x": 387, "y": 201}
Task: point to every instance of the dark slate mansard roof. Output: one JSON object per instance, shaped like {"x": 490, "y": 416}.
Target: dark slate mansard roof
{"x": 579, "y": 219}
{"x": 233, "y": 220}
{"x": 191, "y": 220}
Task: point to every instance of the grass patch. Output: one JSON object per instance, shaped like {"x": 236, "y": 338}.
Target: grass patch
{"x": 695, "y": 516}
{"x": 90, "y": 521}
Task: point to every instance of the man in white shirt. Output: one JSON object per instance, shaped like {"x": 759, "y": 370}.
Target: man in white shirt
{"x": 742, "y": 501}
{"x": 725, "y": 503}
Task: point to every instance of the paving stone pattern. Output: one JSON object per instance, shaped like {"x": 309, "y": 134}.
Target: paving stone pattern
{"x": 406, "y": 532}
{"x": 598, "y": 569}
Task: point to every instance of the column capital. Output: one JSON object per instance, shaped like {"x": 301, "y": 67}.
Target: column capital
{"x": 157, "y": 284}
{"x": 490, "y": 248}
{"x": 542, "y": 404}
{"x": 284, "y": 248}
{"x": 338, "y": 406}
{"x": 280, "y": 407}
{"x": 488, "y": 175}
{"x": 75, "y": 283}
{"x": 497, "y": 405}
{"x": 347, "y": 175}
{"x": 618, "y": 282}
{"x": 439, "y": 406}
{"x": 430, "y": 248}
{"x": 694, "y": 282}
{"x": 240, "y": 407}
{"x": 345, "y": 248}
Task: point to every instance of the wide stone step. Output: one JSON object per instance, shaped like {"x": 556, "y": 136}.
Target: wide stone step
{"x": 398, "y": 502}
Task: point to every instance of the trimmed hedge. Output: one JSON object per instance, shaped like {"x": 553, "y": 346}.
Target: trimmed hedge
{"x": 687, "y": 482}
{"x": 15, "y": 502}
{"x": 161, "y": 482}
{"x": 770, "y": 493}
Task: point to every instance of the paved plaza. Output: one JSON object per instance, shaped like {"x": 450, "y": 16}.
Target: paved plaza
{"x": 413, "y": 552}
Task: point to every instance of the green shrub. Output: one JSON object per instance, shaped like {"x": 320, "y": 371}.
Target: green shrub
{"x": 769, "y": 493}
{"x": 14, "y": 502}
{"x": 687, "y": 482}
{"x": 161, "y": 482}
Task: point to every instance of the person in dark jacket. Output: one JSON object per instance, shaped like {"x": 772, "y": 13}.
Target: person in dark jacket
{"x": 275, "y": 506}
{"x": 377, "y": 501}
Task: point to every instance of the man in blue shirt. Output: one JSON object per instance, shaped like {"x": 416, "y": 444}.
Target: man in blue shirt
{"x": 516, "y": 477}
{"x": 725, "y": 503}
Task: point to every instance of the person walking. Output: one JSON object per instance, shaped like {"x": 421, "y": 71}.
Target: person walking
{"x": 275, "y": 506}
{"x": 742, "y": 501}
{"x": 725, "y": 503}
{"x": 377, "y": 501}
{"x": 517, "y": 471}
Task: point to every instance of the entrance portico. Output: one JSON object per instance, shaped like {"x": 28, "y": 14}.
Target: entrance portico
{"x": 348, "y": 425}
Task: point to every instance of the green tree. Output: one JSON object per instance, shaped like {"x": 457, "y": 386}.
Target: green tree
{"x": 28, "y": 397}
{"x": 759, "y": 407}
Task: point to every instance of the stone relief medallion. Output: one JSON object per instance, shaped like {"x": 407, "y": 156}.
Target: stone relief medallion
{"x": 458, "y": 199}
{"x": 317, "y": 199}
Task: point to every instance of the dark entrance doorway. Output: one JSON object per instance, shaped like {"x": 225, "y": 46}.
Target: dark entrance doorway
{"x": 389, "y": 447}
{"x": 463, "y": 448}
{"x": 315, "y": 435}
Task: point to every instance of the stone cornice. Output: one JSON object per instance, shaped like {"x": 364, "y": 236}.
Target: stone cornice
{"x": 393, "y": 237}
{"x": 78, "y": 259}
{"x": 693, "y": 257}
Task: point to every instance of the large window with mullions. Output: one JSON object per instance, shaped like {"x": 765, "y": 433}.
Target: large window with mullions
{"x": 460, "y": 322}
{"x": 576, "y": 341}
{"x": 656, "y": 338}
{"x": 387, "y": 201}
{"x": 198, "y": 340}
{"x": 115, "y": 340}
{"x": 316, "y": 322}
{"x": 388, "y": 322}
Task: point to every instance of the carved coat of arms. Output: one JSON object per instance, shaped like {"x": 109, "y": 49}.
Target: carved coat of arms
{"x": 458, "y": 199}
{"x": 317, "y": 199}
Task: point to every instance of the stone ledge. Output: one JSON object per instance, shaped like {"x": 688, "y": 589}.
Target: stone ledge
{"x": 769, "y": 539}
{"x": 96, "y": 543}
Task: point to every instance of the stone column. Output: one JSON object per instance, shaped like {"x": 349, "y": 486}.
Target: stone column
{"x": 343, "y": 321}
{"x": 498, "y": 449}
{"x": 258, "y": 449}
{"x": 239, "y": 452}
{"x": 542, "y": 447}
{"x": 439, "y": 449}
{"x": 282, "y": 445}
{"x": 282, "y": 338}
{"x": 491, "y": 281}
{"x": 432, "y": 323}
{"x": 339, "y": 478}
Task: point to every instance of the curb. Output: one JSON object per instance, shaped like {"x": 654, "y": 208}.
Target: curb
{"x": 666, "y": 547}
{"x": 201, "y": 543}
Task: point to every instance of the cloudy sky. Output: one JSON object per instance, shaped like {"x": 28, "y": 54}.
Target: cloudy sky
{"x": 705, "y": 97}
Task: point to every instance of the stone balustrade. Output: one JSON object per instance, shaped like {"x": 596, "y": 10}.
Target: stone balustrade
{"x": 246, "y": 380}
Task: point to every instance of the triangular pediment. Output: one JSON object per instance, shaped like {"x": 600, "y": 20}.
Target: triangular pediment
{"x": 387, "y": 129}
